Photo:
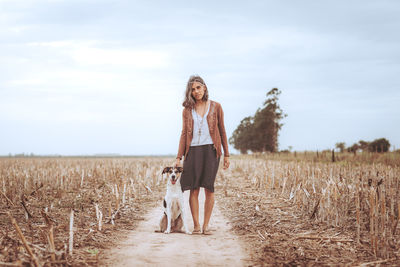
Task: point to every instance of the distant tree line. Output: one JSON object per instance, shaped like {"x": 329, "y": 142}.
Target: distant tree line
{"x": 378, "y": 145}
{"x": 259, "y": 133}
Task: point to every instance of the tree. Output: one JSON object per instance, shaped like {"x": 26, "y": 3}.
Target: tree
{"x": 379, "y": 145}
{"x": 242, "y": 138}
{"x": 341, "y": 146}
{"x": 260, "y": 133}
{"x": 266, "y": 122}
{"x": 353, "y": 148}
{"x": 363, "y": 145}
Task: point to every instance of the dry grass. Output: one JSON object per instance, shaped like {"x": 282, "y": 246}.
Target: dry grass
{"x": 300, "y": 211}
{"x": 105, "y": 195}
{"x": 389, "y": 158}
{"x": 290, "y": 212}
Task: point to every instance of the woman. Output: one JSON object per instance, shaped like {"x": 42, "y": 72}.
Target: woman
{"x": 203, "y": 133}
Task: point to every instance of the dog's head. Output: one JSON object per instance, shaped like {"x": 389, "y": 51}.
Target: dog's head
{"x": 172, "y": 173}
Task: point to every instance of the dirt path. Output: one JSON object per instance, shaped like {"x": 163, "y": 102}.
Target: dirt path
{"x": 144, "y": 247}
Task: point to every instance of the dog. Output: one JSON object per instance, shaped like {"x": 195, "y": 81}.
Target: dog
{"x": 174, "y": 210}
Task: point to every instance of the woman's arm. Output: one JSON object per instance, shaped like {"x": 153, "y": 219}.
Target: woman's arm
{"x": 222, "y": 132}
{"x": 221, "y": 127}
{"x": 182, "y": 140}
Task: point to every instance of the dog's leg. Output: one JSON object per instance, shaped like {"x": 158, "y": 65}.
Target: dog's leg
{"x": 178, "y": 223}
{"x": 168, "y": 211}
{"x": 181, "y": 203}
{"x": 163, "y": 223}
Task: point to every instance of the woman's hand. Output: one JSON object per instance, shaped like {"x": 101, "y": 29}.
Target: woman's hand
{"x": 177, "y": 163}
{"x": 226, "y": 163}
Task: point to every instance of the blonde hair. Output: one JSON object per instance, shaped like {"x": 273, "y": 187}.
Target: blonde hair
{"x": 189, "y": 101}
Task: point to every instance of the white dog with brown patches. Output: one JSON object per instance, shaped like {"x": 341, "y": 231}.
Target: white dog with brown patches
{"x": 174, "y": 209}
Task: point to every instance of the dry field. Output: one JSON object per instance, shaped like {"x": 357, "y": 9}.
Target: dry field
{"x": 288, "y": 212}
{"x": 69, "y": 209}
{"x": 313, "y": 213}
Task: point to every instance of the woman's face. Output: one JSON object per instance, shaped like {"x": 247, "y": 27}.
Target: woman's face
{"x": 198, "y": 91}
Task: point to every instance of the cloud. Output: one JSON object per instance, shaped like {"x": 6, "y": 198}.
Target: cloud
{"x": 88, "y": 53}
{"x": 145, "y": 59}
{"x": 89, "y": 65}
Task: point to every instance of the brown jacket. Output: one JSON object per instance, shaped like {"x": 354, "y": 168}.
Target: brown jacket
{"x": 215, "y": 119}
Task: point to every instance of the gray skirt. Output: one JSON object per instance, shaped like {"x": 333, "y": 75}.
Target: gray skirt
{"x": 200, "y": 168}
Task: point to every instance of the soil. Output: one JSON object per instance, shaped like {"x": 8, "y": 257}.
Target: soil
{"x": 144, "y": 246}
{"x": 250, "y": 229}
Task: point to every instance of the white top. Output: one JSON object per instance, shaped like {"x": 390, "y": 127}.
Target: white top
{"x": 201, "y": 133}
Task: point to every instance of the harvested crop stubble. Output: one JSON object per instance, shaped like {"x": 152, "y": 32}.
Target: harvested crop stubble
{"x": 313, "y": 213}
{"x": 92, "y": 200}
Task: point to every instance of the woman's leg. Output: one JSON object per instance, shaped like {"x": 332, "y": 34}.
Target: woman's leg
{"x": 194, "y": 207}
{"x": 208, "y": 207}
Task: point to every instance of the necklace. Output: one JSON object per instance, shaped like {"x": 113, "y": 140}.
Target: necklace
{"x": 200, "y": 122}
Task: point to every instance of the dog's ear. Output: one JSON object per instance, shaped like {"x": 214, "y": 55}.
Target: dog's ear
{"x": 180, "y": 169}
{"x": 166, "y": 169}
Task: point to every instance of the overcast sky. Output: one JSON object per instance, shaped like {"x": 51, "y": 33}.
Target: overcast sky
{"x": 87, "y": 77}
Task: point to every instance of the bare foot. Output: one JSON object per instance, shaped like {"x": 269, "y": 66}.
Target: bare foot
{"x": 206, "y": 231}
{"x": 196, "y": 230}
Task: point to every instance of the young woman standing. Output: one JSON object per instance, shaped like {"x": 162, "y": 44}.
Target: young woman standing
{"x": 203, "y": 133}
